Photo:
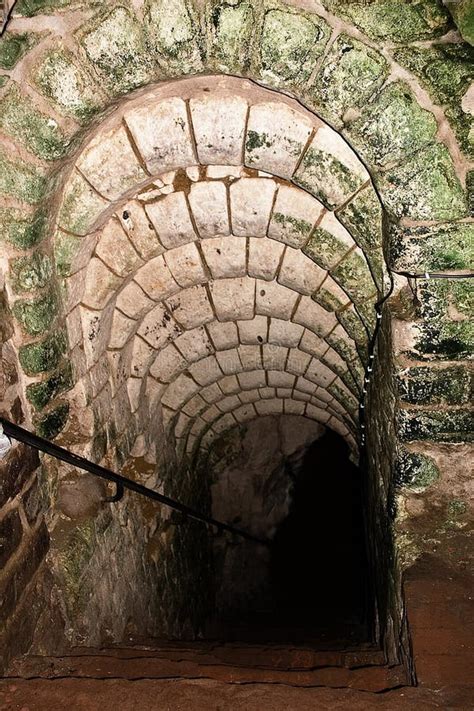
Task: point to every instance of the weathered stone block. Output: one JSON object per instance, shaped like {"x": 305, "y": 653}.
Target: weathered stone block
{"x": 264, "y": 257}
{"x": 273, "y": 299}
{"x": 22, "y": 181}
{"x": 353, "y": 275}
{"x": 442, "y": 247}
{"x": 219, "y": 128}
{"x": 43, "y": 356}
{"x": 36, "y": 131}
{"x": 290, "y": 44}
{"x": 384, "y": 20}
{"x": 447, "y": 331}
{"x": 191, "y": 307}
{"x": 81, "y": 206}
{"x": 393, "y": 127}
{"x": 446, "y": 72}
{"x": 99, "y": 285}
{"x": 454, "y": 425}
{"x": 171, "y": 219}
{"x": 226, "y": 256}
{"x": 425, "y": 187}
{"x": 115, "y": 45}
{"x": 109, "y": 163}
{"x": 463, "y": 14}
{"x": 230, "y": 29}
{"x": 116, "y": 251}
{"x": 330, "y": 170}
{"x": 156, "y": 280}
{"x": 276, "y": 137}
{"x": 299, "y": 272}
{"x": 38, "y": 315}
{"x": 251, "y": 201}
{"x": 186, "y": 265}
{"x": 362, "y": 216}
{"x": 29, "y": 8}
{"x": 61, "y": 79}
{"x": 233, "y": 298}
{"x": 427, "y": 386}
{"x": 208, "y": 201}
{"x": 294, "y": 216}
{"x": 351, "y": 73}
{"x": 31, "y": 273}
{"x": 173, "y": 34}
{"x": 13, "y": 47}
{"x": 162, "y": 134}
{"x": 40, "y": 394}
{"x": 329, "y": 242}
{"x": 51, "y": 424}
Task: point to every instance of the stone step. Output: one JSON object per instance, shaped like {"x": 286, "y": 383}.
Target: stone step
{"x": 135, "y": 664}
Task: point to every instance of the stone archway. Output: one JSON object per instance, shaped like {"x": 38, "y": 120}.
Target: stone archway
{"x": 215, "y": 267}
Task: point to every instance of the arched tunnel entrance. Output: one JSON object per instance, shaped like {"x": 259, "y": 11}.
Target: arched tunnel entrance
{"x": 219, "y": 274}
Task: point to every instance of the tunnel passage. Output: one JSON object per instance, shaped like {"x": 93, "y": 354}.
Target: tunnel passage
{"x": 291, "y": 481}
{"x": 217, "y": 266}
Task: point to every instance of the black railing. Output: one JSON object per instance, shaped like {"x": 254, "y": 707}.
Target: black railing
{"x": 43, "y": 445}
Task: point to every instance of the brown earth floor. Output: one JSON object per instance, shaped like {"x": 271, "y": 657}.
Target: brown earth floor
{"x": 203, "y": 695}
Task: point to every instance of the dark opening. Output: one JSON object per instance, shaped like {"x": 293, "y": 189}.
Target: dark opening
{"x": 318, "y": 570}
{"x": 319, "y": 565}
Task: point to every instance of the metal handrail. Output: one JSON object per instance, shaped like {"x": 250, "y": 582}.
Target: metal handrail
{"x": 43, "y": 445}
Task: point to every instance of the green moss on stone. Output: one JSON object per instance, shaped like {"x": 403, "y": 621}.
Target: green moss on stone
{"x": 31, "y": 272}
{"x": 73, "y": 559}
{"x": 3, "y": 80}
{"x": 327, "y": 300}
{"x": 43, "y": 356}
{"x": 354, "y": 276}
{"x": 29, "y": 8}
{"x": 21, "y": 180}
{"x": 352, "y": 325}
{"x": 116, "y": 47}
{"x": 40, "y": 394}
{"x": 326, "y": 178}
{"x": 66, "y": 247}
{"x": 51, "y": 424}
{"x": 343, "y": 347}
{"x": 393, "y": 127}
{"x": 415, "y": 471}
{"x": 38, "y": 132}
{"x": 346, "y": 399}
{"x": 23, "y": 232}
{"x": 446, "y": 71}
{"x": 61, "y": 79}
{"x": 463, "y": 14}
{"x": 290, "y": 45}
{"x": 36, "y": 316}
{"x": 362, "y": 217}
{"x": 423, "y": 385}
{"x": 325, "y": 249}
{"x": 231, "y": 25}
{"x": 440, "y": 248}
{"x": 425, "y": 188}
{"x": 447, "y": 329}
{"x": 440, "y": 426}
{"x": 351, "y": 73}
{"x": 13, "y": 47}
{"x": 173, "y": 33}
{"x": 395, "y": 20}
{"x": 81, "y": 206}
